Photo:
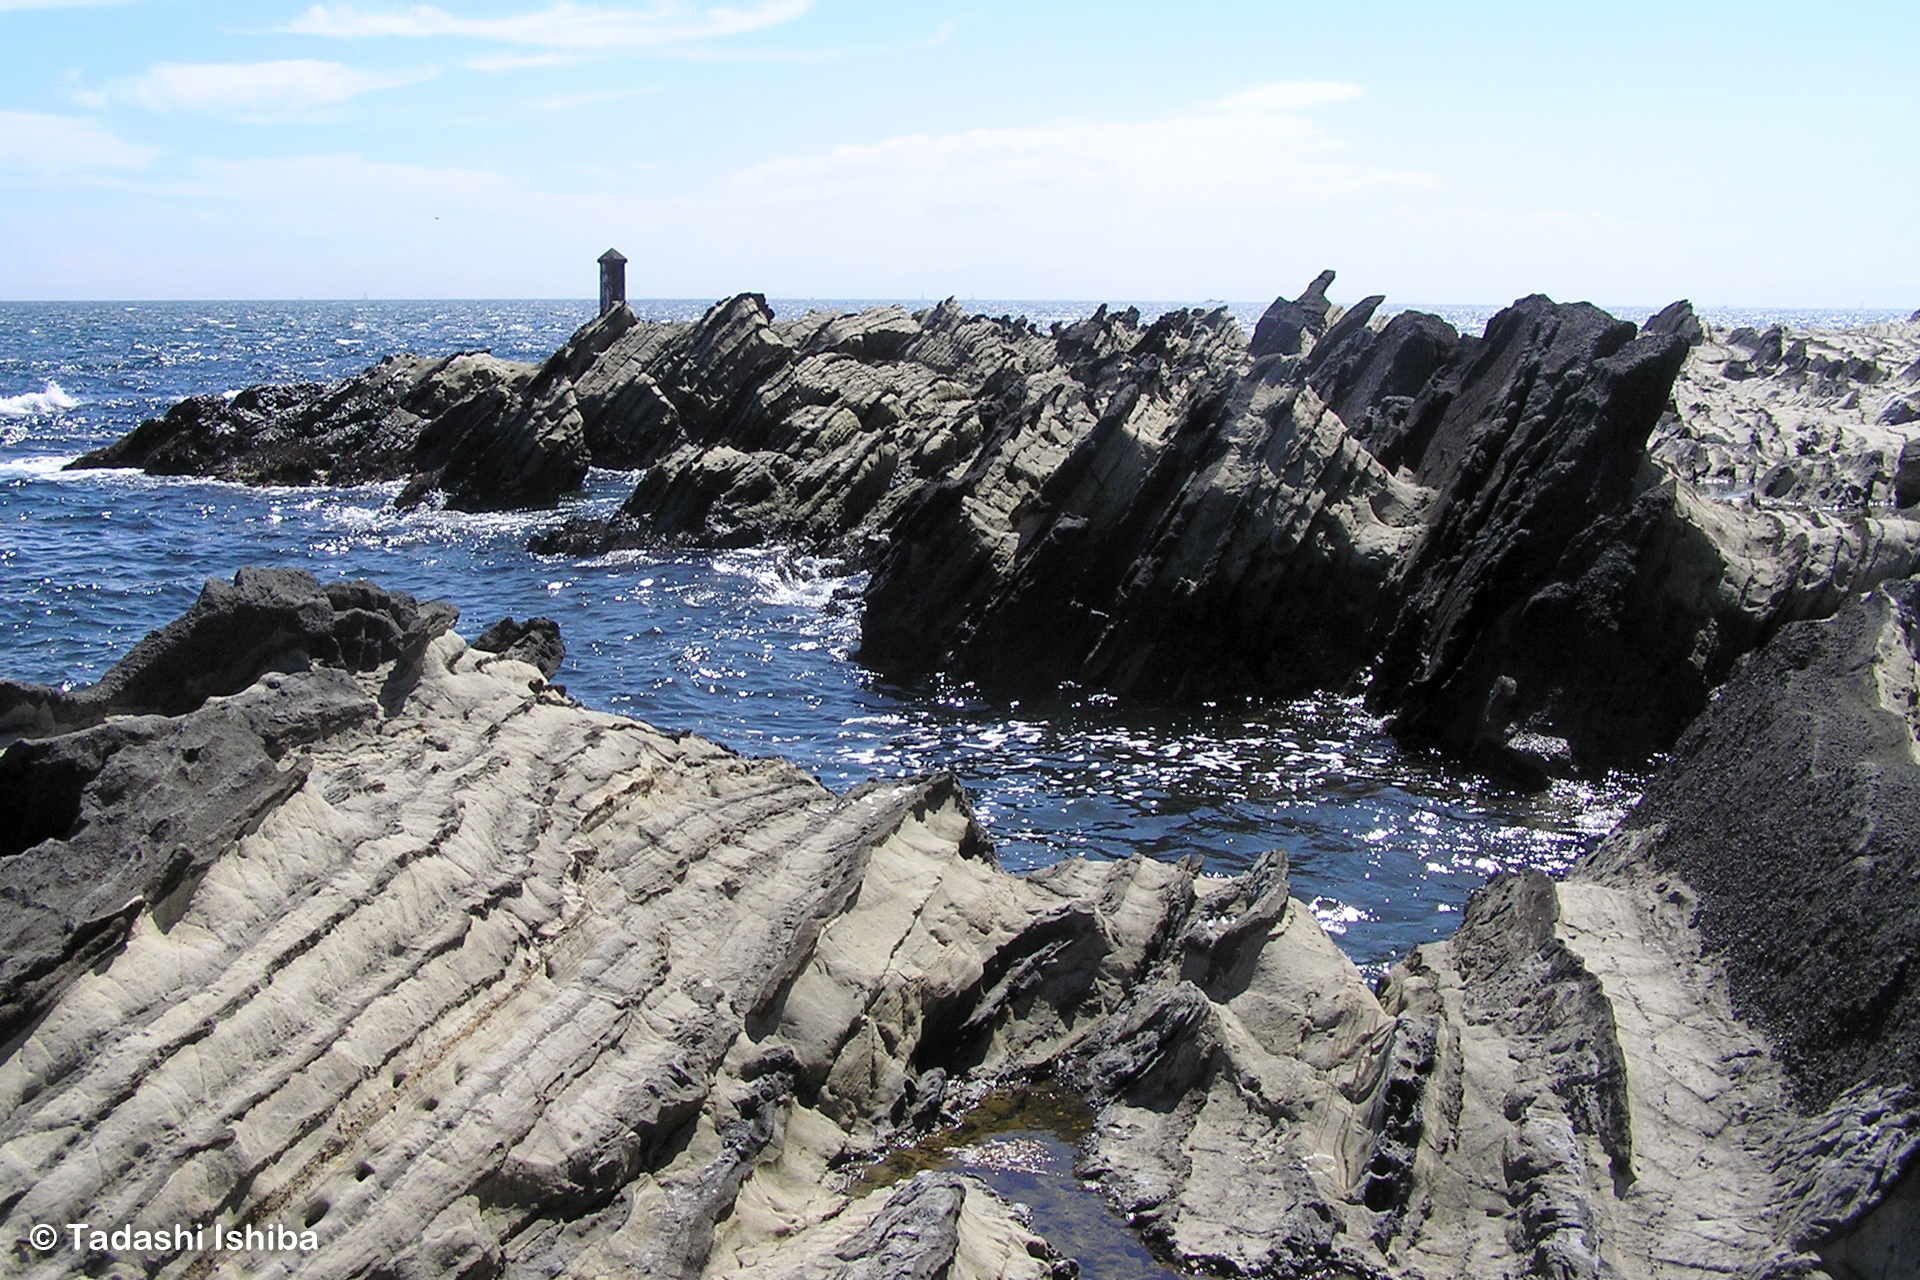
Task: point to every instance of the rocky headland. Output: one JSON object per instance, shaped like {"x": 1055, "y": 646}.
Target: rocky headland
{"x": 316, "y": 915}
{"x": 1539, "y": 549}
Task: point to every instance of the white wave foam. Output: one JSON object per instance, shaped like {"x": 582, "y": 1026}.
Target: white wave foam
{"x": 37, "y": 468}
{"x": 781, "y": 578}
{"x": 28, "y": 403}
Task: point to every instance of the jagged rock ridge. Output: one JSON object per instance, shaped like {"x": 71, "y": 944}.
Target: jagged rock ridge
{"x": 1520, "y": 539}
{"x": 467, "y": 979}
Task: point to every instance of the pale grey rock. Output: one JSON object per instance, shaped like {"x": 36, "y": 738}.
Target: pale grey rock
{"x": 1822, "y": 431}
{"x": 471, "y": 980}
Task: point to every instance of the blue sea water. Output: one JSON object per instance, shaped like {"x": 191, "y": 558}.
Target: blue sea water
{"x": 753, "y": 648}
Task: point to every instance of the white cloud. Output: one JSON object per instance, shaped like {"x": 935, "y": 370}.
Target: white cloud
{"x": 568, "y": 102}
{"x": 562, "y": 25}
{"x": 42, "y": 144}
{"x": 252, "y": 89}
{"x": 1254, "y": 147}
{"x": 6, "y": 5}
{"x": 521, "y": 61}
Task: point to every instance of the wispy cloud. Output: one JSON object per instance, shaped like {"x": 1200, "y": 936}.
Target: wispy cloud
{"x": 521, "y": 61}
{"x": 251, "y": 90}
{"x": 711, "y": 53}
{"x": 562, "y": 25}
{"x": 1254, "y": 146}
{"x": 44, "y": 144}
{"x": 6, "y": 5}
{"x": 568, "y": 102}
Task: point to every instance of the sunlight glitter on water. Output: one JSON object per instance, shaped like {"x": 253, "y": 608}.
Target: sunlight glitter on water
{"x": 756, "y": 649}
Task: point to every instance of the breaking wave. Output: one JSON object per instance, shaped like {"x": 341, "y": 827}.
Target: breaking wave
{"x": 48, "y": 402}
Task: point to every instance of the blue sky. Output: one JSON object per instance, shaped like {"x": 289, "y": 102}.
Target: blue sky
{"x": 1739, "y": 154}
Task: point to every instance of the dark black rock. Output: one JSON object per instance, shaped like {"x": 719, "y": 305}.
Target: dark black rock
{"x": 1189, "y": 544}
{"x": 1906, "y": 476}
{"x": 536, "y": 641}
{"x": 1792, "y": 808}
{"x": 489, "y": 434}
{"x": 106, "y": 820}
{"x": 1371, "y": 379}
{"x": 593, "y": 536}
{"x": 1288, "y": 323}
{"x": 1516, "y": 641}
{"x": 264, "y": 620}
{"x": 111, "y": 820}
{"x": 1678, "y": 319}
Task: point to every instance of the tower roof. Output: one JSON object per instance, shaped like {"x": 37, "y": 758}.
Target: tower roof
{"x": 613, "y": 255}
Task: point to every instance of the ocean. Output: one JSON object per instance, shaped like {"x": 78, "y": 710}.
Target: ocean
{"x": 755, "y": 649}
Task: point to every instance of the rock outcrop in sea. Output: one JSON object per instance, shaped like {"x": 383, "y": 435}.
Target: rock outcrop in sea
{"x": 1539, "y": 549}
{"x": 491, "y": 434}
{"x": 369, "y": 932}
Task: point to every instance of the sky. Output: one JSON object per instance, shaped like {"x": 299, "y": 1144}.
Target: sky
{"x": 1748, "y": 154}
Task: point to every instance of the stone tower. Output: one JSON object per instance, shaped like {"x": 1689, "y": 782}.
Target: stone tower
{"x": 613, "y": 280}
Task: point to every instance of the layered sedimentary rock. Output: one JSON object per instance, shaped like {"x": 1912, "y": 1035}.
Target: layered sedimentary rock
{"x": 1189, "y": 523}
{"x": 1694, "y": 1057}
{"x": 1813, "y": 417}
{"x": 1539, "y": 549}
{"x": 429, "y": 960}
{"x": 491, "y": 434}
{"x": 808, "y": 430}
{"x": 465, "y": 979}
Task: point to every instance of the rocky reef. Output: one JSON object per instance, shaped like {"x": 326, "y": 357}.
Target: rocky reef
{"x": 1539, "y": 549}
{"x": 350, "y": 927}
{"x": 491, "y": 434}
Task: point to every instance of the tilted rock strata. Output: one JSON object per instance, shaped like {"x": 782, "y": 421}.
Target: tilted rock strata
{"x": 810, "y": 430}
{"x": 1693, "y": 1057}
{"x": 1792, "y": 810}
{"x": 1514, "y": 537}
{"x": 484, "y": 982}
{"x": 475, "y": 978}
{"x": 492, "y": 434}
{"x": 1190, "y": 524}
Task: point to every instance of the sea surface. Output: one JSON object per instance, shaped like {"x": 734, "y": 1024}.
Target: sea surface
{"x": 756, "y": 649}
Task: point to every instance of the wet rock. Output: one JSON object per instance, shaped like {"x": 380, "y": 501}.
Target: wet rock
{"x": 490, "y": 433}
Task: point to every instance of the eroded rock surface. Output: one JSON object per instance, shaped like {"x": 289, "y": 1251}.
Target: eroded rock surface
{"x": 1643, "y": 1071}
{"x": 419, "y": 955}
{"x": 1539, "y": 549}
{"x": 1808, "y": 417}
{"x": 491, "y": 434}
{"x": 468, "y": 979}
